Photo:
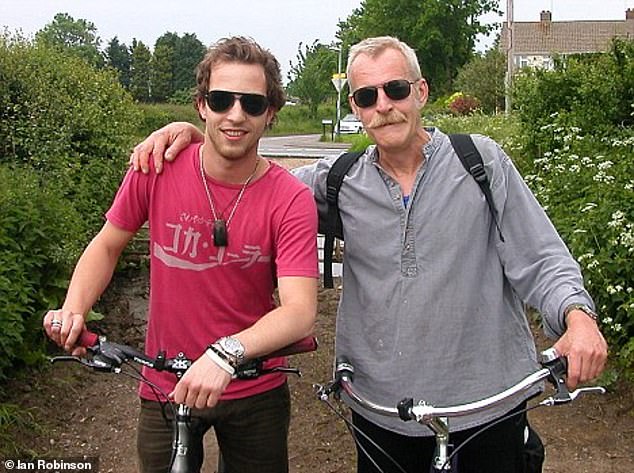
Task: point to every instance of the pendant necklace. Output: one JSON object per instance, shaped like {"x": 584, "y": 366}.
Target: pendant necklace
{"x": 220, "y": 225}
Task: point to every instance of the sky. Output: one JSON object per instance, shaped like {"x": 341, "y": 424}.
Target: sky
{"x": 279, "y": 25}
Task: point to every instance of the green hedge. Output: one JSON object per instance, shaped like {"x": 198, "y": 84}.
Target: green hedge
{"x": 66, "y": 131}
{"x": 578, "y": 127}
{"x": 38, "y": 239}
{"x": 592, "y": 93}
{"x": 154, "y": 116}
{"x": 67, "y": 121}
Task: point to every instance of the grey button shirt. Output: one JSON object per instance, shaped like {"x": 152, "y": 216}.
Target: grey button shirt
{"x": 432, "y": 301}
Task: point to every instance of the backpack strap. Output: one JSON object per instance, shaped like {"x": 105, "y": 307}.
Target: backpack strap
{"x": 333, "y": 226}
{"x": 472, "y": 161}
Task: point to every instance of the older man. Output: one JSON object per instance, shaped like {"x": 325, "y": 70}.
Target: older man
{"x": 433, "y": 296}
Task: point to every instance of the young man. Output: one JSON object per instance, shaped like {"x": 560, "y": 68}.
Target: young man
{"x": 225, "y": 226}
{"x": 432, "y": 299}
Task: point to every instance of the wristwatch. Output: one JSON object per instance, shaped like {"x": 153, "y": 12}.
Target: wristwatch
{"x": 583, "y": 308}
{"x": 233, "y": 349}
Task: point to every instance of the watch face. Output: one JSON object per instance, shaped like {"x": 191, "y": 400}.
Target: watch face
{"x": 233, "y": 346}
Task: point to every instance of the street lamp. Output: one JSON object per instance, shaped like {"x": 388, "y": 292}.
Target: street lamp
{"x": 338, "y": 81}
{"x": 509, "y": 56}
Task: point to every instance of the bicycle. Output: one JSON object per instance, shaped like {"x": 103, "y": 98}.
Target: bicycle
{"x": 553, "y": 369}
{"x": 106, "y": 356}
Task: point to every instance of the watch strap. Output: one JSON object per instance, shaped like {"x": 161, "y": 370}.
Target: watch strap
{"x": 583, "y": 308}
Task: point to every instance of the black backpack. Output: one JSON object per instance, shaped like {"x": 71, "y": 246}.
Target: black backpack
{"x": 469, "y": 157}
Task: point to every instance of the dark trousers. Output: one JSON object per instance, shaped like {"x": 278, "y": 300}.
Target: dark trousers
{"x": 499, "y": 449}
{"x": 252, "y": 433}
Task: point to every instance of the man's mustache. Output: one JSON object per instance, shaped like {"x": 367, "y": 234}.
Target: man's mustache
{"x": 391, "y": 118}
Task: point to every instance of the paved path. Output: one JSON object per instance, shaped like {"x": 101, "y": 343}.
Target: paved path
{"x": 300, "y": 146}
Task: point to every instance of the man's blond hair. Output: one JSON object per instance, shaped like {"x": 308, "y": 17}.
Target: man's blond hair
{"x": 376, "y": 45}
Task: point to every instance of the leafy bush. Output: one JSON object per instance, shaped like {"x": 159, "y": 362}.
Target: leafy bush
{"x": 436, "y": 108}
{"x": 483, "y": 77}
{"x": 579, "y": 128}
{"x": 65, "y": 133}
{"x": 154, "y": 116}
{"x": 578, "y": 95}
{"x": 461, "y": 104}
{"x": 587, "y": 188}
{"x": 183, "y": 97}
{"x": 67, "y": 121}
{"x": 38, "y": 241}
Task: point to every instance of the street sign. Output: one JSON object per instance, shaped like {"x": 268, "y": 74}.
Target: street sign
{"x": 339, "y": 81}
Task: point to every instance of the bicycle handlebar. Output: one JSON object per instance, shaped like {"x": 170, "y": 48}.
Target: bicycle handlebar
{"x": 109, "y": 356}
{"x": 553, "y": 369}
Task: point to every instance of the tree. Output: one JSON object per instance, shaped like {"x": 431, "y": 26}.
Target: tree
{"x": 168, "y": 42}
{"x": 442, "y": 32}
{"x": 140, "y": 71}
{"x": 310, "y": 77}
{"x": 483, "y": 77}
{"x": 188, "y": 53}
{"x": 162, "y": 76}
{"x": 77, "y": 36}
{"x": 177, "y": 59}
{"x": 118, "y": 57}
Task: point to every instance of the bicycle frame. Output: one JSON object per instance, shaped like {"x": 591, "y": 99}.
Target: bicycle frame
{"x": 437, "y": 418}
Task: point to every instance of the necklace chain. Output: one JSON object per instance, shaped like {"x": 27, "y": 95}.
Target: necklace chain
{"x": 224, "y": 223}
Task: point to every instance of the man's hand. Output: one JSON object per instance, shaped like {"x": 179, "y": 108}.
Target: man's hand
{"x": 584, "y": 346}
{"x": 202, "y": 384}
{"x": 164, "y": 143}
{"x": 64, "y": 327}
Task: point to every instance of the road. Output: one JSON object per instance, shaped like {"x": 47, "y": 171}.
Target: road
{"x": 299, "y": 146}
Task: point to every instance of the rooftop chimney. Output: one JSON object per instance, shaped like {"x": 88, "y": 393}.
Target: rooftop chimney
{"x": 545, "y": 16}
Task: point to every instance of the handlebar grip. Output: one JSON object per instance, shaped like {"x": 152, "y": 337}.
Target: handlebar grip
{"x": 304, "y": 345}
{"x": 88, "y": 339}
{"x": 554, "y": 361}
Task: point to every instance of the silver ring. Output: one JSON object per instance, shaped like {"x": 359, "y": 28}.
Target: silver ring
{"x": 56, "y": 323}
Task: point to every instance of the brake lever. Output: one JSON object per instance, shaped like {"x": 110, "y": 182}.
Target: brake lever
{"x": 323, "y": 391}
{"x": 589, "y": 390}
{"x": 564, "y": 398}
{"x": 558, "y": 367}
{"x": 76, "y": 359}
{"x": 283, "y": 369}
{"x": 95, "y": 363}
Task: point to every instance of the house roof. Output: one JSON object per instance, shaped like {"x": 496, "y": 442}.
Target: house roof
{"x": 547, "y": 37}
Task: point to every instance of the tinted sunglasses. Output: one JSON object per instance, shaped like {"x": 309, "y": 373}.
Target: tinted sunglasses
{"x": 395, "y": 89}
{"x": 222, "y": 100}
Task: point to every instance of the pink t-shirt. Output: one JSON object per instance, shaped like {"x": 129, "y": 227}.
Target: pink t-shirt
{"x": 200, "y": 292}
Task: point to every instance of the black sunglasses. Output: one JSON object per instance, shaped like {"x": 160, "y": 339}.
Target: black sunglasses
{"x": 395, "y": 89}
{"x": 222, "y": 100}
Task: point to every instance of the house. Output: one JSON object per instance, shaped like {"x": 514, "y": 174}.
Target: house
{"x": 535, "y": 43}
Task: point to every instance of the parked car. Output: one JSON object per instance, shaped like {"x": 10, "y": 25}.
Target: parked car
{"x": 350, "y": 124}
